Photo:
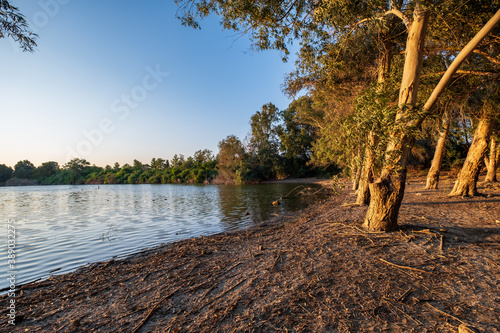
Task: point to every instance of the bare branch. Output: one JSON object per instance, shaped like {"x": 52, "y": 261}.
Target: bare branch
{"x": 394, "y": 11}
{"x": 479, "y": 73}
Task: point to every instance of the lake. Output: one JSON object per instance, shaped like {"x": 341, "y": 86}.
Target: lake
{"x": 60, "y": 228}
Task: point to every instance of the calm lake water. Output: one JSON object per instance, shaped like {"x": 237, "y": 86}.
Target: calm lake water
{"x": 60, "y": 228}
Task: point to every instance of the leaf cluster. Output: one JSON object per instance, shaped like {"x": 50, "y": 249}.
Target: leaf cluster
{"x": 14, "y": 25}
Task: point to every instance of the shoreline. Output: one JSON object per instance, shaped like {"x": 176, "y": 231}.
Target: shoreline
{"x": 307, "y": 180}
{"x": 312, "y": 271}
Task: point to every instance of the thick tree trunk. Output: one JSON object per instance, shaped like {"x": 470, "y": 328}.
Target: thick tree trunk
{"x": 387, "y": 192}
{"x": 433, "y": 175}
{"x": 466, "y": 182}
{"x": 492, "y": 163}
{"x": 367, "y": 174}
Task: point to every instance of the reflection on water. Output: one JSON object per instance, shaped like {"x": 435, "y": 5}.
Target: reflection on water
{"x": 69, "y": 226}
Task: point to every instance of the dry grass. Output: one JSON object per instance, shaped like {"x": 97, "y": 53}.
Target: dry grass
{"x": 314, "y": 272}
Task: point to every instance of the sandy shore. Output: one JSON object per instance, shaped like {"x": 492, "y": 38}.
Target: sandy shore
{"x": 316, "y": 271}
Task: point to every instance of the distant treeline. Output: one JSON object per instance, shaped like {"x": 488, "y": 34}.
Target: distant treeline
{"x": 278, "y": 147}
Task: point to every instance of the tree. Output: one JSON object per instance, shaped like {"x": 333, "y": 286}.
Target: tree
{"x": 492, "y": 160}
{"x": 138, "y": 166}
{"x": 14, "y": 25}
{"x": 24, "y": 170}
{"x": 296, "y": 136}
{"x": 465, "y": 184}
{"x": 230, "y": 161}
{"x": 5, "y": 173}
{"x": 77, "y": 164}
{"x": 158, "y": 163}
{"x": 264, "y": 141}
{"x": 46, "y": 170}
{"x": 435, "y": 169}
{"x": 177, "y": 160}
{"x": 203, "y": 156}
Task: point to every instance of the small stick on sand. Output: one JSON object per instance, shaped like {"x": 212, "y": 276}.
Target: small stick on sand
{"x": 403, "y": 267}
{"x": 445, "y": 313}
{"x": 156, "y": 307}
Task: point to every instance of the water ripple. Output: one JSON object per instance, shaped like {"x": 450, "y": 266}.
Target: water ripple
{"x": 60, "y": 228}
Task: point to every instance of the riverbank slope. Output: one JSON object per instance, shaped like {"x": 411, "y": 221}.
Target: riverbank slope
{"x": 314, "y": 271}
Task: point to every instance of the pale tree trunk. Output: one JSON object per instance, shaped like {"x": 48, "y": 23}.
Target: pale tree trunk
{"x": 492, "y": 163}
{"x": 367, "y": 174}
{"x": 433, "y": 175}
{"x": 356, "y": 171}
{"x": 387, "y": 192}
{"x": 466, "y": 182}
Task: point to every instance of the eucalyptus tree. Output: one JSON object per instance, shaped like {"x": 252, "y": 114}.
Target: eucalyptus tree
{"x": 475, "y": 80}
{"x": 492, "y": 160}
{"x": 14, "y": 25}
{"x": 272, "y": 24}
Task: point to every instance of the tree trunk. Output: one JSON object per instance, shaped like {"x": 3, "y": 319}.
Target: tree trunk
{"x": 492, "y": 163}
{"x": 387, "y": 192}
{"x": 433, "y": 175}
{"x": 466, "y": 182}
{"x": 356, "y": 171}
{"x": 367, "y": 174}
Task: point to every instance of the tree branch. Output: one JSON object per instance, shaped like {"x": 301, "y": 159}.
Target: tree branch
{"x": 460, "y": 59}
{"x": 487, "y": 56}
{"x": 394, "y": 11}
{"x": 479, "y": 73}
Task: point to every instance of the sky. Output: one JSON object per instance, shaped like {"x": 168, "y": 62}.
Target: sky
{"x": 113, "y": 81}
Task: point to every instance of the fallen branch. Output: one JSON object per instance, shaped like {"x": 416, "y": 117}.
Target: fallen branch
{"x": 156, "y": 307}
{"x": 445, "y": 313}
{"x": 405, "y": 295}
{"x": 402, "y": 267}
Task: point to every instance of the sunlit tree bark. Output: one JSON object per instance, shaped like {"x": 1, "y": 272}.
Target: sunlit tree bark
{"x": 466, "y": 183}
{"x": 433, "y": 175}
{"x": 387, "y": 192}
{"x": 367, "y": 173}
{"x": 492, "y": 161}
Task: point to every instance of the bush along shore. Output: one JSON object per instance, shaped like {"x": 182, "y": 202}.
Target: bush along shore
{"x": 315, "y": 271}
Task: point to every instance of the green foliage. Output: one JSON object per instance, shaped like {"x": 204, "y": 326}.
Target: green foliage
{"x": 296, "y": 137}
{"x": 14, "y": 25}
{"x": 5, "y": 173}
{"x": 231, "y": 161}
{"x": 24, "y": 170}
{"x": 45, "y": 171}
{"x": 264, "y": 143}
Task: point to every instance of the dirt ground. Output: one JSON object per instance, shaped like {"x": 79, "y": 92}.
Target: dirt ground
{"x": 316, "y": 271}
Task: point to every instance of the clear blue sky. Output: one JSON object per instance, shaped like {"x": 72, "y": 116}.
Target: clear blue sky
{"x": 97, "y": 85}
